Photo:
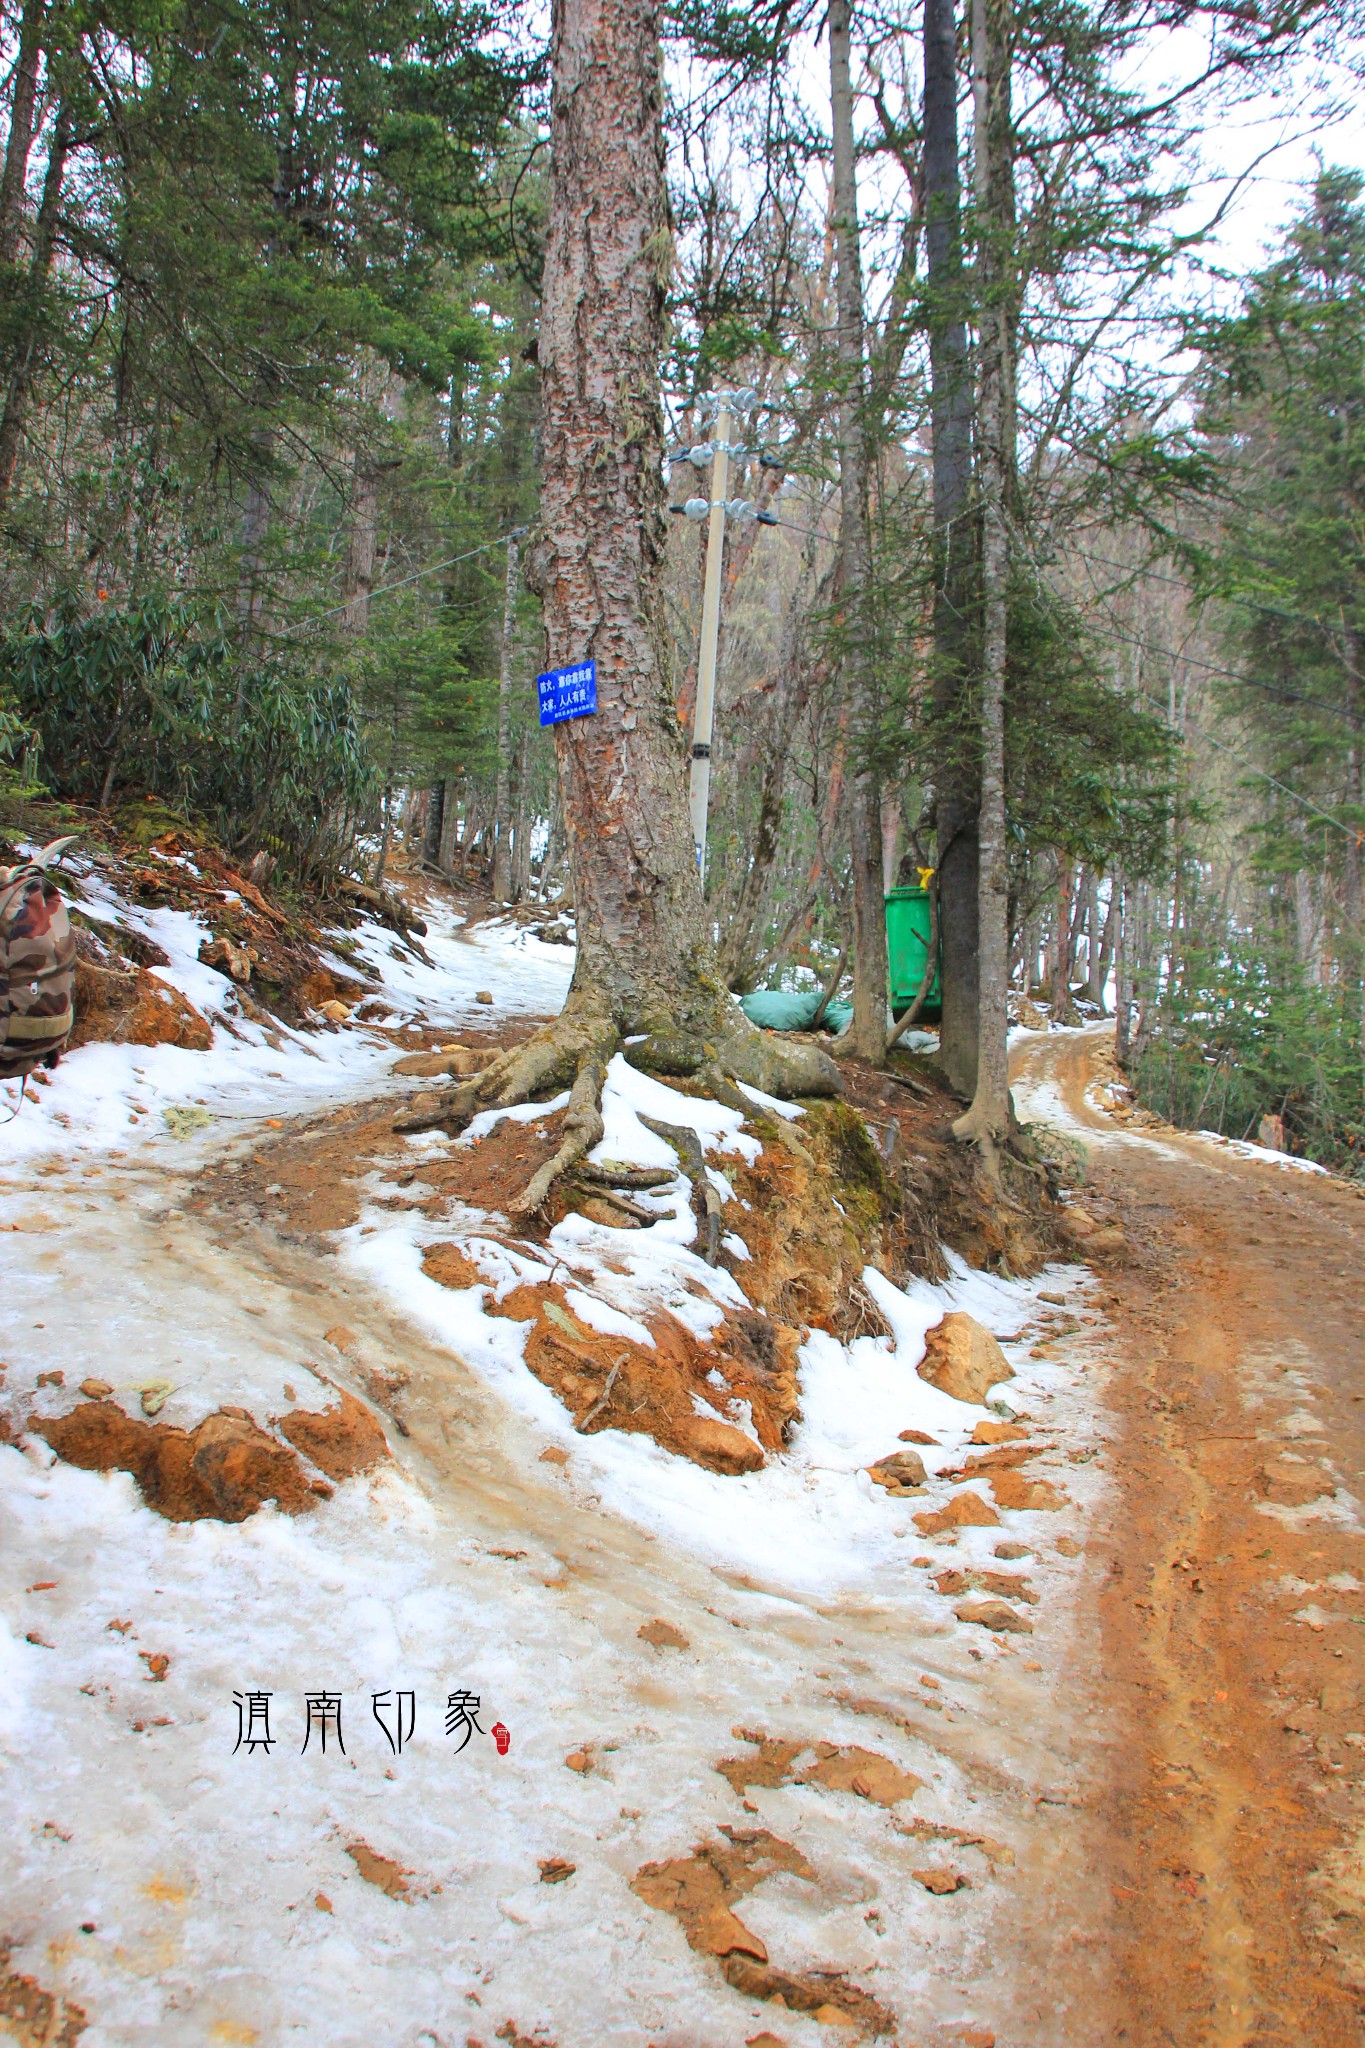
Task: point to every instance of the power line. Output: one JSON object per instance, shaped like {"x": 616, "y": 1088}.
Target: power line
{"x": 1350, "y": 831}
{"x": 1231, "y": 674}
{"x": 1274, "y": 611}
{"x": 433, "y": 569}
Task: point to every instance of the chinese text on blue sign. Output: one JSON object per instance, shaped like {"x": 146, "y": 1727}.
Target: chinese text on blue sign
{"x": 567, "y": 692}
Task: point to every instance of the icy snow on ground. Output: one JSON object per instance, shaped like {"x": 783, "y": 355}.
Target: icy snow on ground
{"x": 112, "y": 1096}
{"x": 181, "y": 1888}
{"x": 813, "y": 1517}
{"x": 1262, "y": 1153}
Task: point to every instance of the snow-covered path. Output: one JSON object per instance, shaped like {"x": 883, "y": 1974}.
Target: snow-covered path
{"x": 173, "y": 1888}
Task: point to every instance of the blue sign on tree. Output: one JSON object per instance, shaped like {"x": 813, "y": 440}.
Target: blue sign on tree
{"x": 567, "y": 692}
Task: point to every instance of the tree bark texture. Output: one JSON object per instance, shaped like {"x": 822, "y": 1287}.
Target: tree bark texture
{"x": 27, "y": 353}
{"x": 954, "y": 550}
{"x": 645, "y": 968}
{"x": 645, "y": 959}
{"x": 1061, "y": 943}
{"x": 19, "y": 145}
{"x": 867, "y": 1036}
{"x": 988, "y": 1120}
{"x": 502, "y": 799}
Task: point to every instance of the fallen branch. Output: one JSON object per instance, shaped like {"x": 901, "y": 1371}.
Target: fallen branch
{"x": 830, "y": 986}
{"x": 687, "y": 1145}
{"x": 390, "y": 910}
{"x": 600, "y": 1403}
{"x": 909, "y": 1081}
{"x": 622, "y": 1202}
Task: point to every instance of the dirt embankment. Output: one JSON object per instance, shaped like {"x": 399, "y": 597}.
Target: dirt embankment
{"x": 877, "y": 1179}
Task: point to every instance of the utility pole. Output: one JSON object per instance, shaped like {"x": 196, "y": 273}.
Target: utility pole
{"x": 714, "y": 509}
{"x": 699, "y": 788}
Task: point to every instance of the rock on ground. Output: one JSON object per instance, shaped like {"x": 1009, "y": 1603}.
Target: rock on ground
{"x": 962, "y": 1358}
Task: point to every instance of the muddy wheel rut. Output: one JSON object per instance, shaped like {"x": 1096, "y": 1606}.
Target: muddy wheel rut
{"x": 1231, "y": 1621}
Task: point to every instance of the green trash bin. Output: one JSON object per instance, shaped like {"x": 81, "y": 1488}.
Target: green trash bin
{"x": 907, "y": 944}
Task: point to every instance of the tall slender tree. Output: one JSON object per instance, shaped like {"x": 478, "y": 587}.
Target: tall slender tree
{"x": 855, "y": 563}
{"x": 953, "y": 543}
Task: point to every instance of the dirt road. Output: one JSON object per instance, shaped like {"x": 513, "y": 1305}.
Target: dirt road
{"x": 1140, "y": 1821}
{"x": 1228, "y": 1582}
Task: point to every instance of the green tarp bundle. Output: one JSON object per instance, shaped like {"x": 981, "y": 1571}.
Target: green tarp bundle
{"x": 774, "y": 1009}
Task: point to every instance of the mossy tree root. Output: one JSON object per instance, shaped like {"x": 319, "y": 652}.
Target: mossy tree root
{"x": 575, "y": 1051}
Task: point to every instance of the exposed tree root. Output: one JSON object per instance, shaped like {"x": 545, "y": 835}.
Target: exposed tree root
{"x": 575, "y": 1051}
{"x": 687, "y": 1145}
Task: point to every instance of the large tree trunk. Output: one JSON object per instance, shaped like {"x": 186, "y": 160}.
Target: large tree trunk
{"x": 502, "y": 799}
{"x": 953, "y": 556}
{"x": 1061, "y": 945}
{"x": 19, "y": 145}
{"x": 645, "y": 962}
{"x": 28, "y": 350}
{"x": 987, "y": 1122}
{"x": 867, "y": 1036}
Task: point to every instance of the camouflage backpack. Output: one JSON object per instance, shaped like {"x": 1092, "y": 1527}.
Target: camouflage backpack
{"x": 37, "y": 965}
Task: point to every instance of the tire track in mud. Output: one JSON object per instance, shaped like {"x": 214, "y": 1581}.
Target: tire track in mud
{"x": 1225, "y": 1931}
{"x": 1222, "y": 1842}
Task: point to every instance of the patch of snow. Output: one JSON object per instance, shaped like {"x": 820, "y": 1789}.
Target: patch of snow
{"x": 1262, "y": 1153}
{"x": 107, "y": 1098}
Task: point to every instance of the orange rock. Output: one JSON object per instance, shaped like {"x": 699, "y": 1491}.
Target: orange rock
{"x": 662, "y": 1635}
{"x": 965, "y": 1510}
{"x": 721, "y": 1446}
{"x": 449, "y": 1266}
{"x": 996, "y": 1615}
{"x": 136, "y": 1008}
{"x": 962, "y": 1358}
{"x": 340, "y": 1441}
{"x": 223, "y": 1470}
{"x": 1012, "y": 1489}
{"x": 998, "y": 1433}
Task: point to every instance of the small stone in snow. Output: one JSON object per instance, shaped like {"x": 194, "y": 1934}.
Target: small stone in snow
{"x": 554, "y": 1870}
{"x": 1010, "y": 1551}
{"x": 578, "y": 1760}
{"x": 662, "y": 1635}
{"x": 554, "y": 1454}
{"x": 322, "y": 1902}
{"x": 941, "y": 1882}
{"x": 484, "y": 995}
{"x": 916, "y": 1436}
{"x": 835, "y": 2016}
{"x": 340, "y": 1338}
{"x": 289, "y": 1393}
{"x": 1067, "y": 1546}
{"x": 996, "y": 1615}
{"x": 95, "y": 1390}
